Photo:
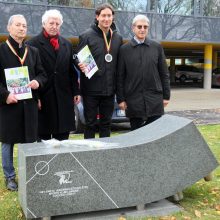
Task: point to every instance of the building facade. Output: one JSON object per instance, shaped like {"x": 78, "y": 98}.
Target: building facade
{"x": 186, "y": 28}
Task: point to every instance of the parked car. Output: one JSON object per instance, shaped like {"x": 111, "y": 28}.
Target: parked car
{"x": 118, "y": 116}
{"x": 187, "y": 72}
{"x": 216, "y": 77}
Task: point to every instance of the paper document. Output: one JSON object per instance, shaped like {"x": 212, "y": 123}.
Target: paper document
{"x": 86, "y": 57}
{"x": 17, "y": 79}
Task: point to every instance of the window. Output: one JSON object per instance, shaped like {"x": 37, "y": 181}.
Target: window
{"x": 176, "y": 7}
{"x": 129, "y": 5}
{"x": 73, "y": 3}
{"x": 151, "y": 5}
{"x": 25, "y": 1}
{"x": 211, "y": 8}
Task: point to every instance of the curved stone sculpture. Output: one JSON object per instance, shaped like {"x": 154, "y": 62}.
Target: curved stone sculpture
{"x": 142, "y": 166}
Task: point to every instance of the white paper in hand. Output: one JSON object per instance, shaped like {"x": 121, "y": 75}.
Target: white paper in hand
{"x": 86, "y": 58}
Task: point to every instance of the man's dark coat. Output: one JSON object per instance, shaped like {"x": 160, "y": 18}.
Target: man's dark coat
{"x": 142, "y": 78}
{"x": 57, "y": 97}
{"x": 102, "y": 83}
{"x": 19, "y": 121}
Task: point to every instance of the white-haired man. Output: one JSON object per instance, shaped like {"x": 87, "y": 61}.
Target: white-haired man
{"x": 18, "y": 117}
{"x": 56, "y": 108}
{"x": 143, "y": 87}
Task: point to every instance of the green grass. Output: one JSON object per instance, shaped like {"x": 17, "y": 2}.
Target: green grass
{"x": 201, "y": 199}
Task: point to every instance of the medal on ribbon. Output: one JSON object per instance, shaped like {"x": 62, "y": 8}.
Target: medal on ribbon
{"x": 14, "y": 52}
{"x": 108, "y": 56}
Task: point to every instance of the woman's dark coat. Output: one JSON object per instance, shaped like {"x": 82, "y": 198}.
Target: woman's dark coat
{"x": 57, "y": 97}
{"x": 142, "y": 78}
{"x": 102, "y": 83}
{"x": 19, "y": 121}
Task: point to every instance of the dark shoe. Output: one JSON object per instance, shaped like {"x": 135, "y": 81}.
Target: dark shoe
{"x": 11, "y": 184}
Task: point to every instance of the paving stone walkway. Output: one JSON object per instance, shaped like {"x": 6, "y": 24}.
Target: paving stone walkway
{"x": 200, "y": 117}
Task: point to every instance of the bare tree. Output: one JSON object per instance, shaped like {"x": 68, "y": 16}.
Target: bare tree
{"x": 211, "y": 8}
{"x": 171, "y": 21}
{"x": 73, "y": 3}
{"x": 129, "y": 5}
{"x": 211, "y": 29}
{"x": 175, "y": 7}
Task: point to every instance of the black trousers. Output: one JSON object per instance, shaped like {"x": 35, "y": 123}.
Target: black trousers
{"x": 60, "y": 137}
{"x": 140, "y": 122}
{"x": 102, "y": 105}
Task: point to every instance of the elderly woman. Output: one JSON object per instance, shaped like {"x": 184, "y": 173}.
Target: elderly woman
{"x": 56, "y": 106}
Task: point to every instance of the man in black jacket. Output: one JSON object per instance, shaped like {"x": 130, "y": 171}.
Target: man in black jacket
{"x": 143, "y": 87}
{"x": 18, "y": 114}
{"x": 98, "y": 91}
{"x": 56, "y": 114}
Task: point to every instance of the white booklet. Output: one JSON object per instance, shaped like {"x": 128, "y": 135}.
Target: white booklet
{"x": 86, "y": 57}
{"x": 17, "y": 79}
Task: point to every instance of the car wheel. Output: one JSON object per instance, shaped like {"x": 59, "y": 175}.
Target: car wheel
{"x": 183, "y": 78}
{"x": 79, "y": 125}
